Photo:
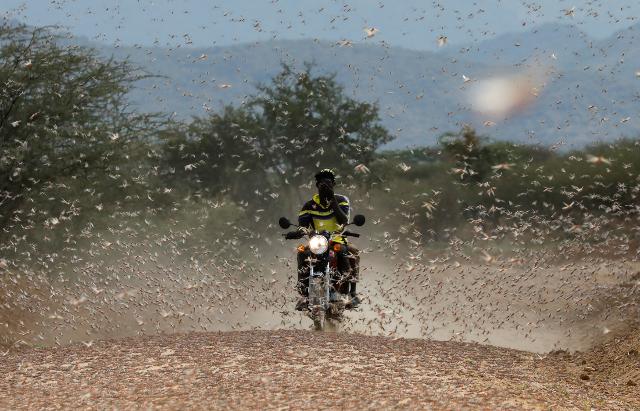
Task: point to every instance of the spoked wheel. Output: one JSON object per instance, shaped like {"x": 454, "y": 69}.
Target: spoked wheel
{"x": 319, "y": 320}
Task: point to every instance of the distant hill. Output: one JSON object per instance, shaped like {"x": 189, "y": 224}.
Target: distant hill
{"x": 565, "y": 42}
{"x": 589, "y": 95}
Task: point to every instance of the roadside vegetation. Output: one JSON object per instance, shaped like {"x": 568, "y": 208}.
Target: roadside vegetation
{"x": 79, "y": 165}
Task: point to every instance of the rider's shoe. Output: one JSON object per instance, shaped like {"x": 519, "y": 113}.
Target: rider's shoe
{"x": 302, "y": 304}
{"x": 355, "y": 301}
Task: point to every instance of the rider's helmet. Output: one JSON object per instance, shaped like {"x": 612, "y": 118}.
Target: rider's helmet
{"x": 324, "y": 174}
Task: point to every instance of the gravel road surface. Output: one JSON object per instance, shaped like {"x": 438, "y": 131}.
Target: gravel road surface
{"x": 299, "y": 369}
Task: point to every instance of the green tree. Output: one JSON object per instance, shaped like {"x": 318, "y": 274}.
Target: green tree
{"x": 312, "y": 123}
{"x": 469, "y": 152}
{"x": 221, "y": 154}
{"x": 263, "y": 152}
{"x": 66, "y": 128}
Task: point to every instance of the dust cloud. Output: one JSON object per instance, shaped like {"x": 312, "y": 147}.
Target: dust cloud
{"x": 143, "y": 289}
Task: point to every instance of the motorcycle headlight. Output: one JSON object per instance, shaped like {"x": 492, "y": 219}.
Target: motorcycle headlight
{"x": 318, "y": 244}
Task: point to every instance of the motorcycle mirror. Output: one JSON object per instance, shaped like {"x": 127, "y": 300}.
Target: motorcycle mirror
{"x": 358, "y": 220}
{"x": 284, "y": 223}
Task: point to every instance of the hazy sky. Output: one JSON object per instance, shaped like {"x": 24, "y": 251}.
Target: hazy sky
{"x": 408, "y": 23}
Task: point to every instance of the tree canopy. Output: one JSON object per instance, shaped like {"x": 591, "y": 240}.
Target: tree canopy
{"x": 66, "y": 128}
{"x": 298, "y": 123}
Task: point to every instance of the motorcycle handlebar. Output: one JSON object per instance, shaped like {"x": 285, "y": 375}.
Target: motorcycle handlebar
{"x": 293, "y": 235}
{"x": 296, "y": 235}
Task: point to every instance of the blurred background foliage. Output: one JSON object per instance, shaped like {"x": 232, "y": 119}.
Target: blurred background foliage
{"x": 78, "y": 165}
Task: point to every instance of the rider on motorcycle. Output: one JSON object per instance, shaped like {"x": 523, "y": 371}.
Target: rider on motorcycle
{"x": 327, "y": 211}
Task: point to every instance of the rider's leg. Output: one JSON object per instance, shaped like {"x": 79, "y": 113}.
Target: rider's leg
{"x": 344, "y": 273}
{"x": 354, "y": 259}
{"x": 303, "y": 273}
{"x": 303, "y": 280}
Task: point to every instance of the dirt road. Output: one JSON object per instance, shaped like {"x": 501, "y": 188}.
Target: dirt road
{"x": 294, "y": 369}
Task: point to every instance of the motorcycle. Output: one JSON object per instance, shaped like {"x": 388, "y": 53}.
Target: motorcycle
{"x": 326, "y": 301}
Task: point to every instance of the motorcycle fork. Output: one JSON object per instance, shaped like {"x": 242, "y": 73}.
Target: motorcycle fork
{"x": 327, "y": 283}
{"x": 320, "y": 288}
{"x": 317, "y": 298}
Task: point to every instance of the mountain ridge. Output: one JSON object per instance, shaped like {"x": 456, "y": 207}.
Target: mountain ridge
{"x": 588, "y": 95}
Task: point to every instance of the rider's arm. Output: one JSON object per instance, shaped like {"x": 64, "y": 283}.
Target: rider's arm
{"x": 305, "y": 220}
{"x": 341, "y": 209}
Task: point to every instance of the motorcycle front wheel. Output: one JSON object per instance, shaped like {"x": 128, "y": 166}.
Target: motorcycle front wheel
{"x": 319, "y": 320}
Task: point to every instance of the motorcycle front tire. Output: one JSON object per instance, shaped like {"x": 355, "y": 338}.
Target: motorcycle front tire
{"x": 319, "y": 320}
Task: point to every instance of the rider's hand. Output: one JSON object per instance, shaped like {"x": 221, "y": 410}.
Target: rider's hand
{"x": 325, "y": 191}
